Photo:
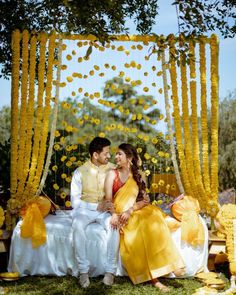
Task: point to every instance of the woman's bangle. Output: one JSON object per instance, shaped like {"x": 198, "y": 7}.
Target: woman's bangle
{"x": 132, "y": 210}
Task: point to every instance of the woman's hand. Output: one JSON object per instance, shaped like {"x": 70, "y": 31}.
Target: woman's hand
{"x": 125, "y": 216}
{"x": 114, "y": 221}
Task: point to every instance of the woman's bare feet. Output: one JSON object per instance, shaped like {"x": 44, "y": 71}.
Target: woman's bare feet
{"x": 179, "y": 272}
{"x": 160, "y": 286}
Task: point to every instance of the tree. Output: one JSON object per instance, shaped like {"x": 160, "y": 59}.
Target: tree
{"x": 227, "y": 142}
{"x": 5, "y": 124}
{"x": 99, "y": 18}
{"x": 102, "y": 18}
{"x": 198, "y": 17}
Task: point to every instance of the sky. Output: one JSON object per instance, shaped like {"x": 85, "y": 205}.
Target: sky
{"x": 166, "y": 23}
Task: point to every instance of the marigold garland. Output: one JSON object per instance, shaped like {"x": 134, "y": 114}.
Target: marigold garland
{"x": 214, "y": 116}
{"x": 194, "y": 121}
{"x": 23, "y": 106}
{"x": 30, "y": 108}
{"x": 46, "y": 114}
{"x": 170, "y": 131}
{"x": 177, "y": 119}
{"x": 205, "y": 147}
{"x": 39, "y": 114}
{"x": 186, "y": 127}
{"x": 54, "y": 121}
{"x": 14, "y": 107}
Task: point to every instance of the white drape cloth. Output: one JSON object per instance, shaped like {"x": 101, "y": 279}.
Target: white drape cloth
{"x": 57, "y": 257}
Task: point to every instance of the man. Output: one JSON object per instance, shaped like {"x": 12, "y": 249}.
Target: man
{"x": 87, "y": 198}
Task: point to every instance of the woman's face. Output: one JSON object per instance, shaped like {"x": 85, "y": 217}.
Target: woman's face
{"x": 121, "y": 158}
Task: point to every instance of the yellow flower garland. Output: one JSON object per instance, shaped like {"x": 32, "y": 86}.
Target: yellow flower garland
{"x": 177, "y": 119}
{"x": 205, "y": 161}
{"x": 186, "y": 127}
{"x": 39, "y": 114}
{"x": 30, "y": 111}
{"x": 14, "y": 108}
{"x": 46, "y": 115}
{"x": 24, "y": 85}
{"x": 194, "y": 121}
{"x": 214, "y": 116}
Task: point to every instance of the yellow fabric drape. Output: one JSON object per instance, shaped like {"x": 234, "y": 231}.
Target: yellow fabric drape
{"x": 186, "y": 210}
{"x": 33, "y": 225}
{"x": 146, "y": 247}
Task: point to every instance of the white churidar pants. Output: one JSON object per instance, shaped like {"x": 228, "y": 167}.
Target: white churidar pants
{"x": 81, "y": 219}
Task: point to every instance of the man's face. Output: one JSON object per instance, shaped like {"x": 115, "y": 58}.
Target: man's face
{"x": 103, "y": 157}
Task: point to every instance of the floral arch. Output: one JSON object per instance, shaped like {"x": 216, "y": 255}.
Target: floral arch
{"x": 184, "y": 71}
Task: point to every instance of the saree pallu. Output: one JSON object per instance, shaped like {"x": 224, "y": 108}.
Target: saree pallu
{"x": 146, "y": 246}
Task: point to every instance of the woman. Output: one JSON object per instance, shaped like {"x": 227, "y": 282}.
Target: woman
{"x": 146, "y": 247}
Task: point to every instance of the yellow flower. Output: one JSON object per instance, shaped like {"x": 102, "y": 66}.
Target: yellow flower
{"x": 68, "y": 163}
{"x": 68, "y": 204}
{"x": 145, "y": 89}
{"x": 72, "y": 159}
{"x": 97, "y": 68}
{"x": 161, "y": 154}
{"x": 54, "y": 168}
{"x": 68, "y": 57}
{"x": 63, "y": 195}
{"x": 79, "y": 163}
{"x": 68, "y": 179}
{"x": 154, "y": 160}
{"x": 63, "y": 158}
{"x": 173, "y": 187}
{"x": 56, "y": 147}
{"x": 101, "y": 134}
{"x": 159, "y": 202}
{"x": 139, "y": 150}
{"x": 55, "y": 186}
{"x": 147, "y": 172}
{"x": 154, "y": 140}
{"x": 57, "y": 133}
{"x": 147, "y": 156}
{"x": 161, "y": 182}
{"x": 63, "y": 175}
{"x": 154, "y": 185}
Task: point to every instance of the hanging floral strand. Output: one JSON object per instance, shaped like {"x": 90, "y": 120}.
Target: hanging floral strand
{"x": 205, "y": 152}
{"x": 214, "y": 116}
{"x": 46, "y": 115}
{"x": 177, "y": 119}
{"x": 194, "y": 121}
{"x": 23, "y": 108}
{"x": 54, "y": 120}
{"x": 14, "y": 107}
{"x": 170, "y": 131}
{"x": 39, "y": 113}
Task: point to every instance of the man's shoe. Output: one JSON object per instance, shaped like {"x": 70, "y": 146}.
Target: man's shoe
{"x": 108, "y": 279}
{"x": 84, "y": 280}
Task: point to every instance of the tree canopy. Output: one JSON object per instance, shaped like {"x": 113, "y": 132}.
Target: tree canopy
{"x": 102, "y": 18}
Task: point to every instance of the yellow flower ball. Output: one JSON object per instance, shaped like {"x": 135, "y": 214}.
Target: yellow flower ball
{"x": 68, "y": 204}
{"x": 63, "y": 175}
{"x": 73, "y": 159}
{"x": 68, "y": 179}
{"x": 57, "y": 133}
{"x": 56, "y": 147}
{"x": 69, "y": 79}
{"x": 63, "y": 195}
{"x": 101, "y": 134}
{"x": 55, "y": 186}
{"x": 68, "y": 57}
{"x": 147, "y": 172}
{"x": 80, "y": 59}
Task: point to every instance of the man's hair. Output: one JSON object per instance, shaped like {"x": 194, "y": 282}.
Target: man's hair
{"x": 97, "y": 145}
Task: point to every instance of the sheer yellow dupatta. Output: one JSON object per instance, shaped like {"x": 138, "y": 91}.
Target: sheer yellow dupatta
{"x": 126, "y": 196}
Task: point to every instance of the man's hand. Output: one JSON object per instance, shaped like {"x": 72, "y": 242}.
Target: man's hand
{"x": 105, "y": 205}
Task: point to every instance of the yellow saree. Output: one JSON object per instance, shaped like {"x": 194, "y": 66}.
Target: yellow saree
{"x": 146, "y": 246}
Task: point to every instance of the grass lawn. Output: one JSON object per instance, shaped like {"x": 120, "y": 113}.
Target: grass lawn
{"x": 35, "y": 285}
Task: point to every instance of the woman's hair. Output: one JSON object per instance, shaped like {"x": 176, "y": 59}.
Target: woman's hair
{"x": 131, "y": 153}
